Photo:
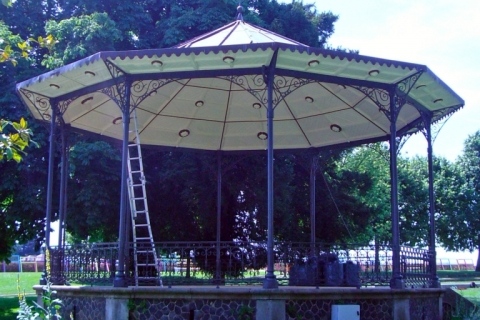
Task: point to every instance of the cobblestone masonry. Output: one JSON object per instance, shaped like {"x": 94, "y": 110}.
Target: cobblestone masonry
{"x": 240, "y": 303}
{"x": 83, "y": 308}
{"x": 149, "y": 309}
{"x": 321, "y": 309}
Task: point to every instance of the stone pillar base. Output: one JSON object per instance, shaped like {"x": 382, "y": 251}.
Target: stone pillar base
{"x": 116, "y": 309}
{"x": 401, "y": 309}
{"x": 270, "y": 310}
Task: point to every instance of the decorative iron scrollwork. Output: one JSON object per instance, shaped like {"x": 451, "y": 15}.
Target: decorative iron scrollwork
{"x": 40, "y": 102}
{"x": 119, "y": 76}
{"x": 256, "y": 86}
{"x": 380, "y": 97}
{"x": 113, "y": 93}
{"x": 436, "y": 120}
{"x": 285, "y": 86}
{"x": 403, "y": 87}
{"x": 253, "y": 84}
{"x": 142, "y": 89}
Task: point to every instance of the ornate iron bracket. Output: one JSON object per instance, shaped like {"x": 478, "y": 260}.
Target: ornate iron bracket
{"x": 255, "y": 85}
{"x": 118, "y": 92}
{"x": 142, "y": 89}
{"x": 425, "y": 125}
{"x": 401, "y": 91}
{"x": 380, "y": 97}
{"x": 42, "y": 103}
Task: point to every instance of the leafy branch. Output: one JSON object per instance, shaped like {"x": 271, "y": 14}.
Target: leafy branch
{"x": 12, "y": 144}
{"x": 10, "y": 51}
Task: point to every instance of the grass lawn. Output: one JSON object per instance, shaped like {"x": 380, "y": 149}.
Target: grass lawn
{"x": 9, "y": 291}
{"x": 8, "y": 282}
{"x": 464, "y": 275}
{"x": 472, "y": 294}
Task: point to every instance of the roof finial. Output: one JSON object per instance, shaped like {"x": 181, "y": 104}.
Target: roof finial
{"x": 239, "y": 12}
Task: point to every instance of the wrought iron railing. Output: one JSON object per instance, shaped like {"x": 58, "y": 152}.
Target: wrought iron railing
{"x": 241, "y": 263}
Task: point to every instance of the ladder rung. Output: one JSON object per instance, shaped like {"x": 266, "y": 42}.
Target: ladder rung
{"x": 141, "y": 225}
{"x": 143, "y": 238}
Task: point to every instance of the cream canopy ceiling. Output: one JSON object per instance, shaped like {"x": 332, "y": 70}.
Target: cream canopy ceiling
{"x": 210, "y": 93}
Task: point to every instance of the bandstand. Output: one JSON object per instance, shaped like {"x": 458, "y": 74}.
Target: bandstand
{"x": 239, "y": 88}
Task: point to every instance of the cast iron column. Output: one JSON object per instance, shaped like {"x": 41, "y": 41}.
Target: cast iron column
{"x": 63, "y": 187}
{"x": 120, "y": 280}
{"x": 51, "y": 160}
{"x": 58, "y": 258}
{"x": 219, "y": 214}
{"x": 435, "y": 283}
{"x": 313, "y": 171}
{"x": 397, "y": 281}
{"x": 270, "y": 279}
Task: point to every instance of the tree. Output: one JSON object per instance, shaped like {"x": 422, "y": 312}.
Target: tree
{"x": 374, "y": 161}
{"x": 22, "y": 197}
{"x": 296, "y": 21}
{"x": 94, "y": 191}
{"x": 458, "y": 191}
{"x": 80, "y": 37}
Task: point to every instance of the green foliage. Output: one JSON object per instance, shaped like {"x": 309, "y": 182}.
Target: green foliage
{"x": 466, "y": 305}
{"x": 373, "y": 160}
{"x": 48, "y": 311}
{"x": 11, "y": 46}
{"x": 79, "y": 37}
{"x": 184, "y": 20}
{"x": 458, "y": 198}
{"x": 12, "y": 145}
{"x": 94, "y": 191}
{"x": 245, "y": 312}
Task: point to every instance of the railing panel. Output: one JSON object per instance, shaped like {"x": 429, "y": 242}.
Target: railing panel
{"x": 242, "y": 263}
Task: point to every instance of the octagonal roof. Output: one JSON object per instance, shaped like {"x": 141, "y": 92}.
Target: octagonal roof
{"x": 209, "y": 93}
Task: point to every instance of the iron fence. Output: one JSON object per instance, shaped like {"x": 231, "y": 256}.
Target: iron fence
{"x": 242, "y": 263}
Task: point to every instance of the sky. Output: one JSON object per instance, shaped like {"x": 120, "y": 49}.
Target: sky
{"x": 444, "y": 35}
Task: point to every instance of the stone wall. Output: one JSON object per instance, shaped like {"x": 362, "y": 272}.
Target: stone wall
{"x": 321, "y": 309}
{"x": 85, "y": 308}
{"x": 144, "y": 309}
{"x": 232, "y": 303}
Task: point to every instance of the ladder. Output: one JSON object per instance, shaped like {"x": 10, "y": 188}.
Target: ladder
{"x": 144, "y": 254}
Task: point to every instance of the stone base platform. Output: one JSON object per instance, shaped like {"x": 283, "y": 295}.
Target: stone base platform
{"x": 284, "y": 303}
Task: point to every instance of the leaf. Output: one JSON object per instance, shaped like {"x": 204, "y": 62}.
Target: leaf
{"x": 23, "y": 123}
{"x": 17, "y": 126}
{"x": 17, "y": 157}
{"x": 9, "y": 153}
{"x": 7, "y": 3}
{"x": 14, "y": 137}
